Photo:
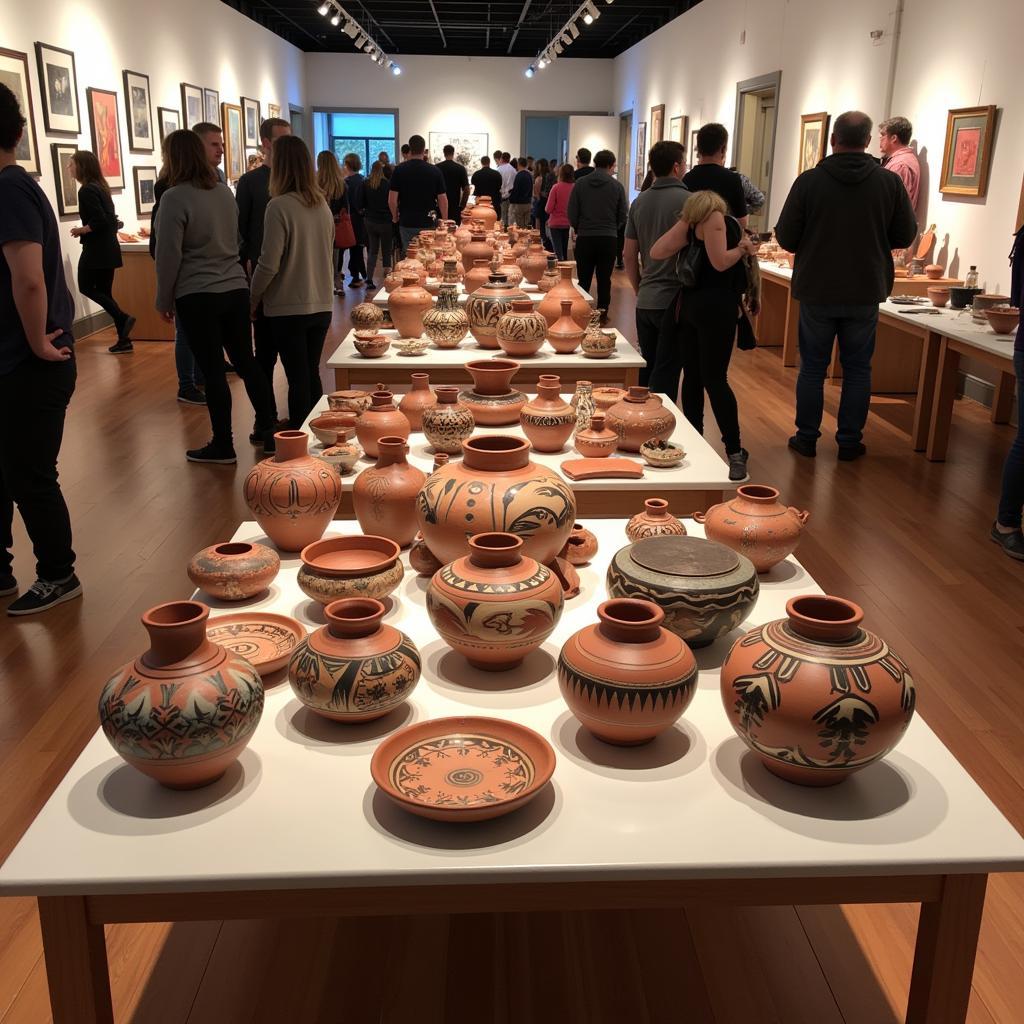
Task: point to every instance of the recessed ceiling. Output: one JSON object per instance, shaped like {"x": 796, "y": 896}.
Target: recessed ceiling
{"x": 505, "y": 28}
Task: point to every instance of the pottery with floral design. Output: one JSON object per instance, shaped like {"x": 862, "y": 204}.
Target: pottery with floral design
{"x": 654, "y": 520}
{"x": 521, "y": 330}
{"x": 366, "y": 316}
{"x": 349, "y": 401}
{"x": 384, "y": 496}
{"x": 235, "y": 570}
{"x": 381, "y": 419}
{"x": 360, "y": 566}
{"x": 448, "y": 423}
{"x": 596, "y": 441}
{"x": 492, "y": 400}
{"x": 581, "y": 547}
{"x": 597, "y": 343}
{"x": 583, "y": 403}
{"x": 548, "y": 420}
{"x": 487, "y": 305}
{"x": 639, "y": 416}
{"x": 550, "y": 307}
{"x": 416, "y": 399}
{"x": 407, "y": 304}
{"x": 446, "y": 324}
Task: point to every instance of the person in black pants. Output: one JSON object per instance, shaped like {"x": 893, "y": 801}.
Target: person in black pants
{"x": 377, "y": 221}
{"x": 101, "y": 251}
{"x": 354, "y": 190}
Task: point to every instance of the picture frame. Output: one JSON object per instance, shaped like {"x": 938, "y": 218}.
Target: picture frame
{"x": 234, "y": 141}
{"x": 813, "y": 140}
{"x": 58, "y": 83}
{"x": 657, "y": 126}
{"x": 694, "y": 156}
{"x": 640, "y": 165}
{"x": 469, "y": 147}
{"x": 138, "y": 112}
{"x": 251, "y": 121}
{"x": 273, "y": 110}
{"x": 211, "y": 106}
{"x": 191, "y": 105}
{"x": 105, "y": 128}
{"x": 145, "y": 185}
{"x": 66, "y": 186}
{"x": 250, "y": 153}
{"x": 168, "y": 120}
{"x": 967, "y": 153}
{"x": 14, "y": 74}
{"x": 678, "y": 129}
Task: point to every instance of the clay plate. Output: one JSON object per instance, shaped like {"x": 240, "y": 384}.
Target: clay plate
{"x": 351, "y": 556}
{"x": 602, "y": 469}
{"x": 463, "y": 769}
{"x": 264, "y": 639}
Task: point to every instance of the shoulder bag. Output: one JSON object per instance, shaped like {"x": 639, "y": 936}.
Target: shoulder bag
{"x": 344, "y": 233}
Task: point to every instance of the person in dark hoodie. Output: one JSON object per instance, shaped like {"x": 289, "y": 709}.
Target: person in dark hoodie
{"x": 597, "y": 209}
{"x": 842, "y": 218}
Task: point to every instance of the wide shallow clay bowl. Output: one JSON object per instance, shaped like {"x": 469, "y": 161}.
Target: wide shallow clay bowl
{"x": 266, "y": 640}
{"x": 412, "y": 346}
{"x": 939, "y": 296}
{"x": 662, "y": 454}
{"x": 1003, "y": 319}
{"x": 463, "y": 769}
{"x": 326, "y": 426}
{"x": 359, "y": 566}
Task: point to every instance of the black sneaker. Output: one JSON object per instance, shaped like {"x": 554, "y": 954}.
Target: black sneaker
{"x": 122, "y": 346}
{"x": 214, "y": 453}
{"x": 1011, "y": 543}
{"x": 849, "y": 452}
{"x": 802, "y": 447}
{"x": 191, "y": 396}
{"x": 8, "y": 585}
{"x": 738, "y": 466}
{"x": 125, "y": 333}
{"x": 269, "y": 443}
{"x": 356, "y": 282}
{"x": 43, "y": 595}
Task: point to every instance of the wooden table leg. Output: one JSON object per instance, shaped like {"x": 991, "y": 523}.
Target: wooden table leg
{"x": 947, "y": 943}
{"x": 632, "y": 375}
{"x": 341, "y": 380}
{"x": 925, "y": 391}
{"x": 1002, "y": 398}
{"x": 942, "y": 404}
{"x": 76, "y": 962}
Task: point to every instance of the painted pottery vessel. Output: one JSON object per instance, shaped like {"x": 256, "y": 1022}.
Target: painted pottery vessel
{"x": 533, "y": 263}
{"x": 292, "y": 495}
{"x": 550, "y": 277}
{"x": 355, "y": 668}
{"x": 654, "y": 521}
{"x": 565, "y": 335}
{"x": 596, "y": 441}
{"x": 349, "y": 401}
{"x": 337, "y": 567}
{"x": 639, "y": 416}
{"x": 407, "y": 305}
{"x": 234, "y": 571}
{"x": 487, "y": 305}
{"x": 479, "y": 274}
{"x": 184, "y": 710}
{"x": 484, "y": 213}
{"x": 421, "y": 558}
{"x": 581, "y": 547}
{"x": 448, "y": 423}
{"x": 494, "y": 606}
{"x": 705, "y": 589}
{"x": 392, "y": 282}
{"x": 661, "y": 454}
{"x": 583, "y": 403}
{"x": 596, "y": 343}
{"x": 548, "y": 421}
{"x": 815, "y": 695}
{"x": 447, "y": 323}
{"x": 384, "y": 496}
{"x": 366, "y": 316}
{"x": 265, "y": 639}
{"x": 606, "y": 396}
{"x": 521, "y": 330}
{"x": 496, "y": 488}
{"x": 627, "y": 678}
{"x": 550, "y": 307}
{"x": 492, "y": 400}
{"x": 381, "y": 419}
{"x": 372, "y": 347}
{"x": 416, "y": 399}
{"x": 343, "y": 454}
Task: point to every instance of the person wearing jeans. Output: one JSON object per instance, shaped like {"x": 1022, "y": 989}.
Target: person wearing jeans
{"x": 557, "y": 208}
{"x": 416, "y": 193}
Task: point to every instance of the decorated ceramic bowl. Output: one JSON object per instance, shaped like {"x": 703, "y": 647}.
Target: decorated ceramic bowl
{"x": 412, "y": 346}
{"x": 359, "y": 566}
{"x": 373, "y": 347}
{"x": 327, "y": 426}
{"x": 661, "y": 453}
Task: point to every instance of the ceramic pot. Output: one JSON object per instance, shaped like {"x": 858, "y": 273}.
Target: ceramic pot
{"x": 464, "y": 233}
{"x": 407, "y": 305}
{"x": 550, "y": 277}
{"x": 654, "y": 521}
{"x": 446, "y": 324}
{"x": 292, "y": 495}
{"x": 639, "y": 416}
{"x": 452, "y": 271}
{"x": 934, "y": 271}
{"x": 366, "y": 317}
{"x": 565, "y": 335}
{"x": 815, "y": 696}
{"x": 596, "y": 441}
{"x": 477, "y": 249}
{"x": 510, "y": 268}
{"x": 547, "y": 420}
{"x": 492, "y": 400}
{"x": 596, "y": 344}
{"x": 756, "y": 524}
{"x": 705, "y": 589}
{"x": 416, "y": 399}
{"x": 1003, "y": 319}
{"x": 581, "y": 547}
{"x": 484, "y": 213}
{"x": 234, "y": 571}
{"x": 983, "y": 301}
{"x": 533, "y": 263}
{"x": 355, "y": 668}
{"x": 961, "y": 298}
{"x": 329, "y": 425}
{"x": 605, "y": 397}
{"x": 494, "y": 606}
{"x": 939, "y": 296}
{"x": 627, "y": 679}
{"x": 393, "y": 282}
{"x": 521, "y": 330}
{"x": 382, "y": 419}
{"x": 478, "y": 275}
{"x": 182, "y": 712}
{"x": 421, "y": 559}
{"x": 583, "y": 403}
{"x": 496, "y": 488}
{"x": 343, "y": 454}
{"x": 349, "y": 401}
{"x": 448, "y": 423}
{"x": 486, "y": 306}
{"x": 550, "y": 306}
{"x": 384, "y": 496}
{"x": 372, "y": 347}
{"x": 413, "y": 264}
{"x": 338, "y": 567}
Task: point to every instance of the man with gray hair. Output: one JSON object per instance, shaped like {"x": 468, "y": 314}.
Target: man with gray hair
{"x": 897, "y": 156}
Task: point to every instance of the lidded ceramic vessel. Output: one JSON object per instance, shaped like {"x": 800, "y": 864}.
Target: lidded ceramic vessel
{"x": 496, "y": 605}
{"x": 355, "y": 668}
{"x": 551, "y": 305}
{"x": 533, "y": 262}
{"x": 596, "y": 441}
{"x": 548, "y": 420}
{"x": 448, "y": 423}
{"x": 384, "y": 496}
{"x": 521, "y": 330}
{"x": 654, "y": 521}
{"x": 446, "y": 324}
{"x": 486, "y": 306}
{"x": 235, "y": 570}
{"x": 492, "y": 400}
{"x": 565, "y": 335}
{"x": 638, "y": 417}
{"x": 416, "y": 399}
{"x": 627, "y": 678}
{"x": 184, "y": 710}
{"x": 815, "y": 695}
{"x": 407, "y": 305}
{"x": 292, "y": 495}
{"x": 381, "y": 419}
{"x": 366, "y": 317}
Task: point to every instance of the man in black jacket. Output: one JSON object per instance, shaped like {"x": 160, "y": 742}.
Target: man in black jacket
{"x": 842, "y": 218}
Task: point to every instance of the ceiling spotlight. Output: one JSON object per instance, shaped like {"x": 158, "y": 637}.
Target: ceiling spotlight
{"x": 559, "y": 48}
{"x": 574, "y": 30}
{"x": 591, "y": 14}
{"x": 335, "y": 18}
{"x": 566, "y": 39}
{"x": 351, "y": 29}
{"x": 530, "y": 71}
{"x": 396, "y": 70}
{"x": 323, "y": 9}
{"x": 368, "y": 46}
{"x": 542, "y": 63}
{"x": 360, "y": 41}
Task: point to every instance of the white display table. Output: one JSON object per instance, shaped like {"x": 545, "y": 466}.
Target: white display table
{"x": 381, "y": 298}
{"x": 297, "y": 827}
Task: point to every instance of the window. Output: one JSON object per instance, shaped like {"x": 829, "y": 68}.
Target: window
{"x": 365, "y": 134}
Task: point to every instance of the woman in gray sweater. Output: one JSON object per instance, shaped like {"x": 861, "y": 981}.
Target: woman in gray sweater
{"x": 200, "y": 281}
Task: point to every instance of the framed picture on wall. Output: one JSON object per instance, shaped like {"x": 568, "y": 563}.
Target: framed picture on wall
{"x": 145, "y": 185}
{"x": 813, "y": 140}
{"x": 251, "y": 118}
{"x": 211, "y": 106}
{"x": 694, "y": 155}
{"x": 967, "y": 154}
{"x": 657, "y": 125}
{"x": 191, "y": 105}
{"x": 234, "y": 141}
{"x": 59, "y": 86}
{"x": 273, "y": 110}
{"x": 67, "y": 187}
{"x": 677, "y": 130}
{"x": 14, "y": 74}
{"x": 106, "y": 134}
{"x": 640, "y": 166}
{"x": 253, "y": 159}
{"x": 141, "y": 135}
{"x": 168, "y": 120}
{"x": 469, "y": 147}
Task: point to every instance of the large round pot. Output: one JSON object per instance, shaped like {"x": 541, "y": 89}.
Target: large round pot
{"x": 416, "y": 399}
{"x": 521, "y": 330}
{"x": 234, "y": 571}
{"x": 550, "y": 306}
{"x": 384, "y": 496}
{"x": 477, "y": 248}
{"x": 596, "y": 441}
{"x": 381, "y": 419}
{"x": 447, "y": 323}
{"x": 448, "y": 423}
{"x": 491, "y": 400}
{"x": 407, "y": 305}
{"x": 355, "y": 668}
{"x": 338, "y": 567}
{"x": 756, "y": 524}
{"x": 479, "y": 274}
{"x": 182, "y": 712}
{"x": 533, "y": 263}
{"x": 486, "y": 306}
{"x": 565, "y": 335}
{"x": 495, "y": 606}
{"x": 548, "y": 420}
{"x": 627, "y": 678}
{"x": 366, "y": 317}
{"x": 292, "y": 495}
{"x": 510, "y": 268}
{"x": 495, "y": 488}
{"x": 815, "y": 696}
{"x": 484, "y": 213}
{"x": 654, "y": 521}
{"x": 638, "y": 417}
{"x": 705, "y": 589}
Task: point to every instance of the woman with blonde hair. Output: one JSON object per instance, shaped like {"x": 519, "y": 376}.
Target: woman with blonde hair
{"x": 294, "y": 278}
{"x": 377, "y": 223}
{"x": 331, "y": 180}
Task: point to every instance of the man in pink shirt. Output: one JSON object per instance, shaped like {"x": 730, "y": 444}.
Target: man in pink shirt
{"x": 898, "y": 157}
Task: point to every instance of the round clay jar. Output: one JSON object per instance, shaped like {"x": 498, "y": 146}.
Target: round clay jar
{"x": 639, "y": 416}
{"x": 448, "y": 423}
{"x": 384, "y": 496}
{"x": 654, "y": 521}
{"x": 596, "y": 441}
{"x": 581, "y": 547}
{"x": 521, "y": 330}
{"x": 416, "y": 399}
{"x": 235, "y": 570}
{"x": 381, "y": 419}
{"x": 366, "y": 316}
{"x": 548, "y": 420}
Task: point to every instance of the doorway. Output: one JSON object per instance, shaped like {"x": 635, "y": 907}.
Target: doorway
{"x": 757, "y": 107}
{"x": 547, "y": 136}
{"x": 625, "y": 154}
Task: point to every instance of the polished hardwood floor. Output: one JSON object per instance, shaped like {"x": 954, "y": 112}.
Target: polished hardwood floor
{"x": 905, "y": 538}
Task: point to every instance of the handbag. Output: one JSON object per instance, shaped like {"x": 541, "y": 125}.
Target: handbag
{"x": 344, "y": 233}
{"x": 689, "y": 263}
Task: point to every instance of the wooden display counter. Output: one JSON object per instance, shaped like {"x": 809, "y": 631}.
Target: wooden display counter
{"x": 135, "y": 292}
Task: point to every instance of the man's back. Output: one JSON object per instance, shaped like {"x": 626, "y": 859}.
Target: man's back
{"x": 652, "y": 214}
{"x": 508, "y": 174}
{"x": 487, "y": 182}
{"x": 716, "y": 178}
{"x": 582, "y": 172}
{"x": 455, "y": 180}
{"x": 252, "y": 195}
{"x": 418, "y": 185}
{"x": 597, "y": 205}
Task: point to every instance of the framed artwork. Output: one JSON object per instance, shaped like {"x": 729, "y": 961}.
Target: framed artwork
{"x": 141, "y": 135}
{"x": 145, "y": 185}
{"x": 234, "y": 141}
{"x": 67, "y": 187}
{"x": 677, "y": 130}
{"x": 813, "y": 140}
{"x": 694, "y": 155}
{"x": 967, "y": 154}
{"x": 106, "y": 134}
{"x": 469, "y": 147}
{"x": 211, "y": 106}
{"x": 14, "y": 74}
{"x": 251, "y": 119}
{"x": 657, "y": 126}
{"x": 59, "y": 85}
{"x": 191, "y": 105}
{"x": 250, "y": 156}
{"x": 273, "y": 110}
{"x": 640, "y": 164}
{"x": 168, "y": 120}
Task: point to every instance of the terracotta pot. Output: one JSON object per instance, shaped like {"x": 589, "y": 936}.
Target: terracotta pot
{"x": 533, "y": 263}
{"x": 755, "y": 523}
{"x": 934, "y": 271}
{"x": 581, "y": 547}
{"x": 452, "y": 271}
{"x": 292, "y": 495}
{"x": 372, "y": 347}
{"x": 235, "y": 570}
{"x": 939, "y": 296}
{"x": 448, "y": 423}
{"x": 495, "y": 606}
{"x": 815, "y": 696}
{"x": 484, "y": 213}
{"x": 510, "y": 268}
{"x": 551, "y": 305}
{"x": 366, "y": 316}
{"x": 565, "y": 334}
{"x": 382, "y": 419}
{"x": 447, "y": 323}
{"x": 421, "y": 558}
{"x": 597, "y": 344}
{"x": 392, "y": 283}
{"x": 418, "y": 398}
{"x": 550, "y": 277}
{"x": 521, "y": 330}
{"x": 343, "y": 454}
{"x": 547, "y": 420}
{"x": 583, "y": 403}
{"x": 182, "y": 712}
{"x": 338, "y": 567}
{"x": 654, "y": 521}
{"x": 355, "y": 668}
{"x": 1003, "y": 319}
{"x": 496, "y": 487}
{"x": 639, "y": 416}
{"x": 327, "y": 427}
{"x": 627, "y": 679}
{"x": 412, "y": 264}
{"x": 606, "y": 397}
{"x": 486, "y": 306}
{"x": 384, "y": 496}
{"x": 492, "y": 400}
{"x": 477, "y": 249}
{"x": 477, "y": 276}
{"x": 349, "y": 401}
{"x": 407, "y": 305}
{"x": 596, "y": 441}
{"x": 463, "y": 234}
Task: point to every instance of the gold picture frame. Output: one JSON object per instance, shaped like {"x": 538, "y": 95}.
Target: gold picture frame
{"x": 657, "y": 123}
{"x": 640, "y": 167}
{"x": 234, "y": 140}
{"x": 813, "y": 140}
{"x": 967, "y": 152}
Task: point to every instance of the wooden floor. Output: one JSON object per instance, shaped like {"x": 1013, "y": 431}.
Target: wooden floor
{"x": 905, "y": 538}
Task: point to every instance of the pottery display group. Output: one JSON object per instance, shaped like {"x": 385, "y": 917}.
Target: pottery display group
{"x": 548, "y": 420}
{"x": 384, "y": 496}
{"x": 234, "y": 571}
{"x": 338, "y": 567}
{"x": 654, "y": 520}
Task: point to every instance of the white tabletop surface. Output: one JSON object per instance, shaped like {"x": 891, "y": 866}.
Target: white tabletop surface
{"x": 702, "y": 469}
{"x": 955, "y": 323}
{"x": 140, "y": 246}
{"x": 300, "y": 810}
{"x": 771, "y": 267}
{"x": 531, "y": 290}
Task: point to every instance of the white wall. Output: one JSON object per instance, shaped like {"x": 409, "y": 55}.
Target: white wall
{"x": 592, "y": 133}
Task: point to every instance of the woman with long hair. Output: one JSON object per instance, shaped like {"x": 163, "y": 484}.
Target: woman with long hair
{"x": 294, "y": 277}
{"x": 543, "y": 179}
{"x": 557, "y": 209}
{"x": 331, "y": 182}
{"x": 101, "y": 251}
{"x": 200, "y": 281}
{"x": 377, "y": 221}
{"x": 352, "y": 168}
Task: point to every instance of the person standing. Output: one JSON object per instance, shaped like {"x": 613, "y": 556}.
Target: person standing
{"x": 557, "y": 209}
{"x": 583, "y": 165}
{"x": 520, "y": 197}
{"x": 597, "y": 207}
{"x": 101, "y": 251}
{"x": 487, "y": 182}
{"x": 416, "y": 193}
{"x": 456, "y": 184}
{"x": 331, "y": 183}
{"x": 711, "y": 173}
{"x": 294, "y": 277}
{"x": 894, "y": 137}
{"x": 508, "y": 175}
{"x": 842, "y": 218}
{"x": 543, "y": 180}
{"x": 352, "y": 169}
{"x": 377, "y": 221}
{"x": 212, "y": 137}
